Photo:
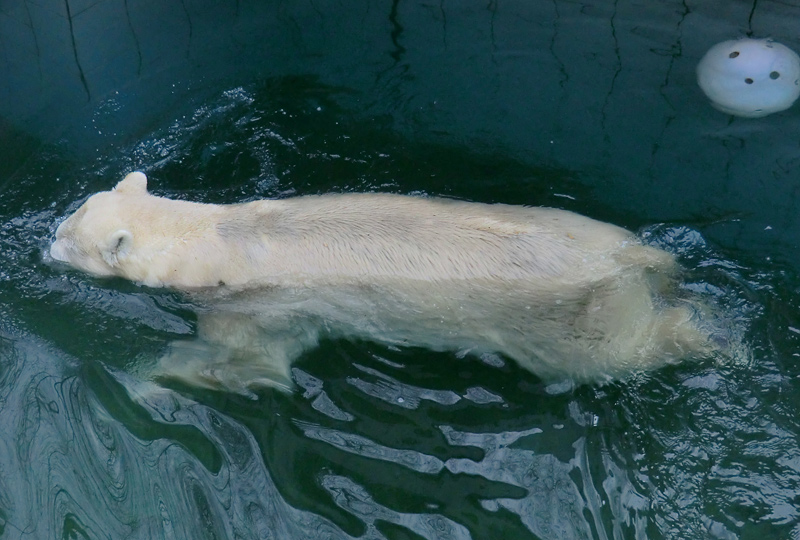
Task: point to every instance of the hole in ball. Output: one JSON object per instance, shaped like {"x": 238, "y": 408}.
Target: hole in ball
{"x": 748, "y": 80}
{"x": 774, "y": 75}
{"x": 734, "y": 54}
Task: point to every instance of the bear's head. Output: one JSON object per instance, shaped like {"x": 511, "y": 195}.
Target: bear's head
{"x": 100, "y": 236}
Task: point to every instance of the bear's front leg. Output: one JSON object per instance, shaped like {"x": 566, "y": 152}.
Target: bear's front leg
{"x": 237, "y": 352}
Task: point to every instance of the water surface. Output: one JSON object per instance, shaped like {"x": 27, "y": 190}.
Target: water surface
{"x": 586, "y": 106}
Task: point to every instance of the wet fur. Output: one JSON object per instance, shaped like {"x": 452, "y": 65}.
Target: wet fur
{"x": 563, "y": 295}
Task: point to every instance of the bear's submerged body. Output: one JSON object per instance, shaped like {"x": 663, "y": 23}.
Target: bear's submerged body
{"x": 565, "y": 296}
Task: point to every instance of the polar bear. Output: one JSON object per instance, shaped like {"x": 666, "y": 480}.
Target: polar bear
{"x": 565, "y": 296}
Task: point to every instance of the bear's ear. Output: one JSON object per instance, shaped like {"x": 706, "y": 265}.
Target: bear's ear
{"x": 117, "y": 247}
{"x": 134, "y": 183}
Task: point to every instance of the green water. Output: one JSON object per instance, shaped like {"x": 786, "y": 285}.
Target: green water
{"x": 590, "y": 107}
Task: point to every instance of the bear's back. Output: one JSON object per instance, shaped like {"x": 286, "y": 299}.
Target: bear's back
{"x": 381, "y": 235}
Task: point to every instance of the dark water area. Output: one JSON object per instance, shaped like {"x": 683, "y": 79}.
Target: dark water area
{"x": 586, "y": 106}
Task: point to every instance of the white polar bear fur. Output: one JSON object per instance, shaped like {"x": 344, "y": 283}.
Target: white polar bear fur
{"x": 566, "y": 296}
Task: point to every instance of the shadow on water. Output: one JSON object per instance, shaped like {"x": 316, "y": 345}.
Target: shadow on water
{"x": 379, "y": 442}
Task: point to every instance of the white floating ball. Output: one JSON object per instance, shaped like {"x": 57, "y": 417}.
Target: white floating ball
{"x": 750, "y": 77}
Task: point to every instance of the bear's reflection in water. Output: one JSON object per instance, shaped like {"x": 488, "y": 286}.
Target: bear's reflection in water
{"x": 565, "y": 296}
